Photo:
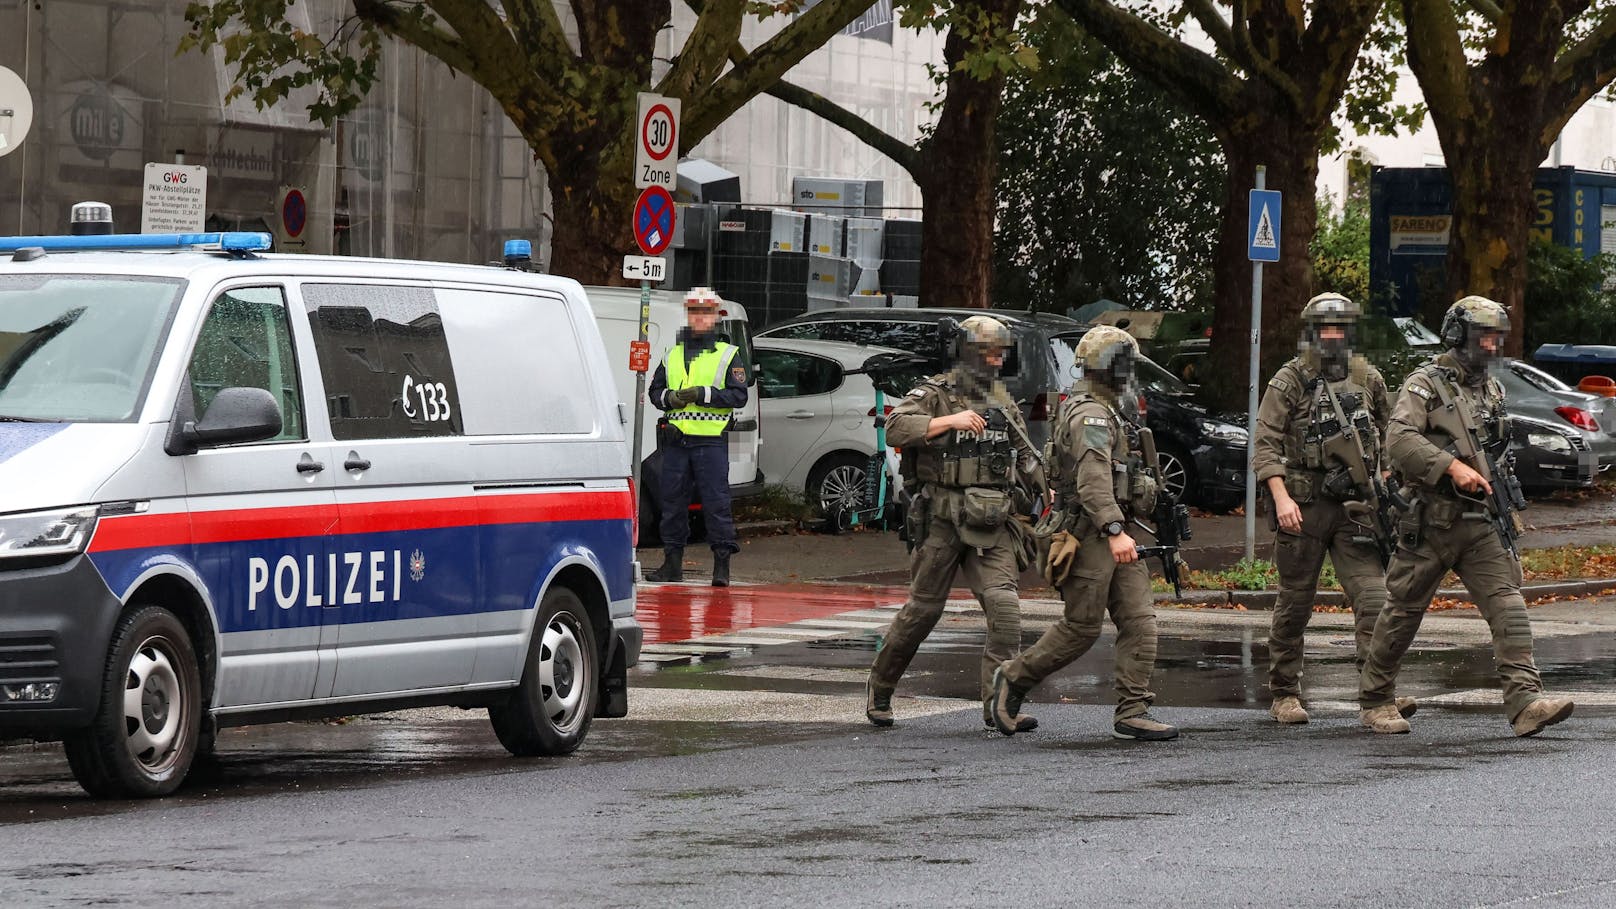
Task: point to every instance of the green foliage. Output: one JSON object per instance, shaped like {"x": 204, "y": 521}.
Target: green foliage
{"x": 1105, "y": 189}
{"x": 274, "y": 58}
{"x": 1341, "y": 249}
{"x": 1567, "y": 300}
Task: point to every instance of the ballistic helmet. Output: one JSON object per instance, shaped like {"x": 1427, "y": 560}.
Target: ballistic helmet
{"x": 1466, "y": 322}
{"x": 1108, "y": 354}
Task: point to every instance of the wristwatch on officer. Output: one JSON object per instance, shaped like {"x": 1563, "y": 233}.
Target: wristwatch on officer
{"x": 1112, "y": 529}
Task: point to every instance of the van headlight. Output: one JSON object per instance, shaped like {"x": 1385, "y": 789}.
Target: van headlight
{"x": 1227, "y": 433}
{"x": 46, "y": 533}
{"x": 1551, "y": 441}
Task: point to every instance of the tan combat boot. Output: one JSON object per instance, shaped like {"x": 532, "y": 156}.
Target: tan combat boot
{"x": 1143, "y": 728}
{"x": 1406, "y": 707}
{"x": 1003, "y": 706}
{"x": 1541, "y": 714}
{"x": 1288, "y": 710}
{"x": 877, "y": 704}
{"x": 1384, "y": 719}
{"x": 1024, "y": 723}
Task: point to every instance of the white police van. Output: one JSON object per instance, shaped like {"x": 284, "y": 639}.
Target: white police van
{"x": 238, "y": 488}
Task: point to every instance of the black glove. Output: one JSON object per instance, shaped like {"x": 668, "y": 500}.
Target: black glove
{"x": 685, "y": 396}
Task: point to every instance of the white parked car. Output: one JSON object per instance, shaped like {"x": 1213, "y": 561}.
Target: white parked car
{"x": 818, "y": 418}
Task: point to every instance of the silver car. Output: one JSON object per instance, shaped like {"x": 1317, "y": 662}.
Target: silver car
{"x": 1533, "y": 393}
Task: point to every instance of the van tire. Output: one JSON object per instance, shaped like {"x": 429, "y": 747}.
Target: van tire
{"x": 151, "y": 652}
{"x": 548, "y": 712}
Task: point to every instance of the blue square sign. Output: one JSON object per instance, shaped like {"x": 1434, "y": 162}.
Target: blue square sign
{"x": 1262, "y": 230}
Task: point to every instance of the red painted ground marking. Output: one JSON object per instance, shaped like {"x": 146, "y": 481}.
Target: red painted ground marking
{"x": 674, "y": 612}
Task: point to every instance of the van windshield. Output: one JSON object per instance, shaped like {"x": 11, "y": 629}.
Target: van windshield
{"x": 80, "y": 348}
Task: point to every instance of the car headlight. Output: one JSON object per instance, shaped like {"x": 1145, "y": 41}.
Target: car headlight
{"x": 1551, "y": 441}
{"x": 46, "y": 533}
{"x": 1227, "y": 433}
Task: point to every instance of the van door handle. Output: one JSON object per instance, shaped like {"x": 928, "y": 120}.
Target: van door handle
{"x": 309, "y": 465}
{"x": 800, "y": 415}
{"x": 355, "y": 462}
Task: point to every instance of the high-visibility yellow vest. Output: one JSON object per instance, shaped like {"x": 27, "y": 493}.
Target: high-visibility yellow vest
{"x": 707, "y": 370}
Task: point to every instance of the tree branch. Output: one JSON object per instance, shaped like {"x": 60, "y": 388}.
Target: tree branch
{"x": 718, "y": 26}
{"x": 1336, "y": 35}
{"x": 435, "y": 42}
{"x": 1436, "y": 54}
{"x": 1584, "y": 70}
{"x": 1257, "y": 64}
{"x": 765, "y": 66}
{"x": 902, "y": 153}
{"x": 1487, "y": 9}
{"x": 539, "y": 29}
{"x": 1191, "y": 77}
{"x": 1206, "y": 15}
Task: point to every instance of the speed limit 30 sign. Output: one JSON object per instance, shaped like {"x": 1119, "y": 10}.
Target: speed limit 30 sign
{"x": 656, "y": 141}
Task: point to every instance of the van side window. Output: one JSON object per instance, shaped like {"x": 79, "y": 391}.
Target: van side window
{"x": 521, "y": 365}
{"x": 246, "y": 342}
{"x": 385, "y": 361}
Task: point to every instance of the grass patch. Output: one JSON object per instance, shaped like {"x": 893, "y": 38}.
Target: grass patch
{"x": 775, "y": 502}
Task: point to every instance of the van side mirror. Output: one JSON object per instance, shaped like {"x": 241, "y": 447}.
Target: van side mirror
{"x": 236, "y": 415}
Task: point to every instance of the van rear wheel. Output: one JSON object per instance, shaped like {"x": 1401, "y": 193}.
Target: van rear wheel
{"x": 149, "y": 719}
{"x": 549, "y": 711}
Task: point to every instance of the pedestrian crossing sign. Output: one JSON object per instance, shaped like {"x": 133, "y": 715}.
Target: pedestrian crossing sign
{"x": 1262, "y": 234}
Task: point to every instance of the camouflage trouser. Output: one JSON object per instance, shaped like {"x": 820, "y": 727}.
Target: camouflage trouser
{"x": 1299, "y": 557}
{"x": 1472, "y": 549}
{"x": 992, "y": 577}
{"x": 1097, "y": 585}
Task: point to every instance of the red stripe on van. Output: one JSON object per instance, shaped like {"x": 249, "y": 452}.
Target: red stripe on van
{"x": 236, "y": 525}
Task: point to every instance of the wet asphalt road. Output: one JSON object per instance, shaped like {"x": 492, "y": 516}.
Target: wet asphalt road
{"x": 752, "y": 779}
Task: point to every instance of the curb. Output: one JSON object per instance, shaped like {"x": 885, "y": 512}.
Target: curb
{"x": 1265, "y": 599}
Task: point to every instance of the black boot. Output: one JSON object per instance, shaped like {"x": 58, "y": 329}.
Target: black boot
{"x": 673, "y": 567}
{"x": 721, "y": 569}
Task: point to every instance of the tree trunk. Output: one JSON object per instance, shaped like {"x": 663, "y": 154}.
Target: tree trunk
{"x": 593, "y": 204}
{"x": 958, "y": 164}
{"x": 1493, "y": 210}
{"x": 1290, "y": 155}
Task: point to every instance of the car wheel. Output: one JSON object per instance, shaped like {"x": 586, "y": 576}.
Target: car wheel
{"x": 148, "y": 723}
{"x": 837, "y": 482}
{"x": 1177, "y": 475}
{"x": 549, "y": 711}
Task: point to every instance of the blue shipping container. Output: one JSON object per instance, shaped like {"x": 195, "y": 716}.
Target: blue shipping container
{"x": 1410, "y": 213}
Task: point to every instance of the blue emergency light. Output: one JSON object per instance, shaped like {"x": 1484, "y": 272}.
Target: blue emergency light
{"x": 228, "y": 241}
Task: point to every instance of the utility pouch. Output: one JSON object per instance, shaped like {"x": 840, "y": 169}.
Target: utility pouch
{"x": 1410, "y": 525}
{"x": 1300, "y": 486}
{"x": 1442, "y": 513}
{"x": 983, "y": 508}
{"x": 916, "y": 521}
{"x": 1142, "y": 492}
{"x": 1338, "y": 484}
{"x": 1120, "y": 475}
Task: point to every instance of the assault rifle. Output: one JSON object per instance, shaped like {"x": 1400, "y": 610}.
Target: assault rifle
{"x": 1389, "y": 501}
{"x": 1172, "y": 528}
{"x": 1506, "y": 498}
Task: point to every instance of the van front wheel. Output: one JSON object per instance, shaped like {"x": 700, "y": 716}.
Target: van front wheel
{"x": 149, "y": 721}
{"x": 549, "y": 711}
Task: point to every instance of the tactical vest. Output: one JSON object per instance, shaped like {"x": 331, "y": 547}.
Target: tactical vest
{"x": 1133, "y": 481}
{"x": 1337, "y": 441}
{"x": 1485, "y": 407}
{"x": 708, "y": 370}
{"x": 966, "y": 459}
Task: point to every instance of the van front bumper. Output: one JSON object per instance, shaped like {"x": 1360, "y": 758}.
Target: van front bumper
{"x": 55, "y": 625}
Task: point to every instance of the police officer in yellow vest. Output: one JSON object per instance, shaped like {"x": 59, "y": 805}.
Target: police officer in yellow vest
{"x": 697, "y": 386}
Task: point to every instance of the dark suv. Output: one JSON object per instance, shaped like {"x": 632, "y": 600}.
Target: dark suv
{"x": 1203, "y": 456}
{"x": 1031, "y": 372}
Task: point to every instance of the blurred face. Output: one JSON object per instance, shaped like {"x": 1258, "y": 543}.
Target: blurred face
{"x": 1333, "y": 333}
{"x": 1491, "y": 342}
{"x": 994, "y": 357}
{"x": 702, "y": 319}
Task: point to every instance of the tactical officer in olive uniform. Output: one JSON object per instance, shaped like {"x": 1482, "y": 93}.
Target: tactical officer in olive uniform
{"x": 1447, "y": 430}
{"x": 1102, "y": 465}
{"x": 1318, "y": 451}
{"x": 968, "y": 445}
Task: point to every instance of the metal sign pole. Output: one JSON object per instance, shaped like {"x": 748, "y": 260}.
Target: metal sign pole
{"x": 1251, "y": 392}
{"x": 639, "y": 384}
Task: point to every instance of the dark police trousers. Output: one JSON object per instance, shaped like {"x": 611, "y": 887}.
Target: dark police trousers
{"x": 699, "y": 467}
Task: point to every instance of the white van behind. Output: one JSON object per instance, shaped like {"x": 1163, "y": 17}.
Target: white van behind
{"x": 617, "y": 312}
